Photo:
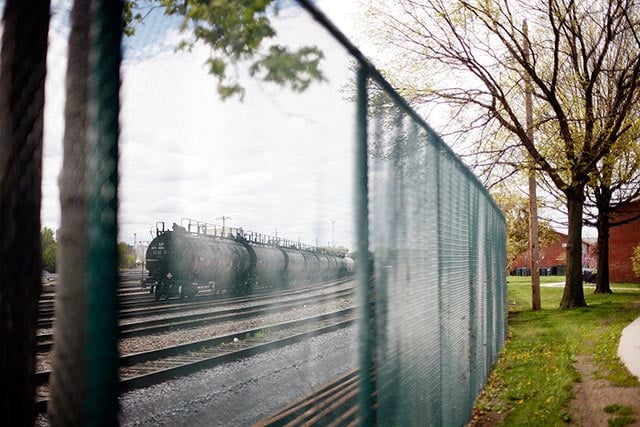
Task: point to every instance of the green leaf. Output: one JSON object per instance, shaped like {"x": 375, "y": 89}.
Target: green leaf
{"x": 296, "y": 69}
{"x": 231, "y": 90}
{"x": 236, "y": 31}
{"x": 217, "y": 67}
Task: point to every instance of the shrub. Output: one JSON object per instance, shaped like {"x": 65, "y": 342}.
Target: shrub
{"x": 635, "y": 260}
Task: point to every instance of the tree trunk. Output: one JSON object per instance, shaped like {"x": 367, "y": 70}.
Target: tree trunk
{"x": 22, "y": 77}
{"x": 573, "y": 295}
{"x": 602, "y": 279}
{"x": 67, "y": 404}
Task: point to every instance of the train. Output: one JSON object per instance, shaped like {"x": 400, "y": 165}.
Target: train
{"x": 196, "y": 255}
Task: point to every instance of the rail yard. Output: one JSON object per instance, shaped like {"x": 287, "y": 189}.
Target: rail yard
{"x": 162, "y": 340}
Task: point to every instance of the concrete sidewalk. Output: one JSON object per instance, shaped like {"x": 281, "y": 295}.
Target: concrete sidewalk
{"x": 629, "y": 347}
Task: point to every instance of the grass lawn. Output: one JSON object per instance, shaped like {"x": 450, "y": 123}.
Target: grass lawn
{"x": 534, "y": 375}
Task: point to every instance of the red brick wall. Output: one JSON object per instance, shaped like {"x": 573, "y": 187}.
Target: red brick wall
{"x": 622, "y": 240}
{"x": 554, "y": 255}
{"x": 550, "y": 256}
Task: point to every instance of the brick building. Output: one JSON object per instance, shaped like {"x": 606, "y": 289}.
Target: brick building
{"x": 622, "y": 240}
{"x": 553, "y": 258}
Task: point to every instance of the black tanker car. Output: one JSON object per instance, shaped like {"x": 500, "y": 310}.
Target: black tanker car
{"x": 180, "y": 261}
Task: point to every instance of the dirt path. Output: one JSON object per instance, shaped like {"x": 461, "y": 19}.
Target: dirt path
{"x": 592, "y": 395}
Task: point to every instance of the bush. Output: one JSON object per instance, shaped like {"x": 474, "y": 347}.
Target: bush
{"x": 635, "y": 260}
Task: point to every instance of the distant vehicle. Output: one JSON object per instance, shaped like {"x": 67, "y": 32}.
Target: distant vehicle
{"x": 233, "y": 261}
{"x": 589, "y": 275}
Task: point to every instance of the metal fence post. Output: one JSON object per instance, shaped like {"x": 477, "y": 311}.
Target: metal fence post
{"x": 104, "y": 104}
{"x": 366, "y": 307}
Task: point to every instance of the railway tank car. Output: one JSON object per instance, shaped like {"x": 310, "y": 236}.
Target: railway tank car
{"x": 183, "y": 259}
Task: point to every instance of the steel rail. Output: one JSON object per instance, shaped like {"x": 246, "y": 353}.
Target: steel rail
{"x": 208, "y": 353}
{"x": 153, "y": 307}
{"x": 334, "y": 404}
{"x": 146, "y": 327}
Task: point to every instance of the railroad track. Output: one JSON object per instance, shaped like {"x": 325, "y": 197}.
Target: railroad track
{"x": 128, "y": 290}
{"x": 334, "y": 404}
{"x": 146, "y": 327}
{"x": 46, "y": 308}
{"x": 151, "y": 307}
{"x": 152, "y": 367}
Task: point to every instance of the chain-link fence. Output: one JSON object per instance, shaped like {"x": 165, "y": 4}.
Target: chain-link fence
{"x": 437, "y": 242}
{"x": 432, "y": 256}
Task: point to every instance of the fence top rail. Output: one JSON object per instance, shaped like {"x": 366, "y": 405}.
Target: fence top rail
{"x": 373, "y": 73}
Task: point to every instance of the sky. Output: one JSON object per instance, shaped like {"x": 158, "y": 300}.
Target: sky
{"x": 277, "y": 161}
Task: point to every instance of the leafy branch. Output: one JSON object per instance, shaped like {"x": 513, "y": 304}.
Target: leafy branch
{"x": 237, "y": 31}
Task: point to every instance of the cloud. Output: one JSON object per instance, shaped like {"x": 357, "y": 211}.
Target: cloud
{"x": 279, "y": 160}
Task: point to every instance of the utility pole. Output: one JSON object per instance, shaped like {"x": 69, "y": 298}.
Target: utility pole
{"x": 533, "y": 200}
{"x": 224, "y": 221}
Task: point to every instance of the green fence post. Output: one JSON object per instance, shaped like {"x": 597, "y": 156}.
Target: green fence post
{"x": 104, "y": 104}
{"x": 366, "y": 307}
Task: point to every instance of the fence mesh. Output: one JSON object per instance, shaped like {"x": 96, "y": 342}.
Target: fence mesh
{"x": 438, "y": 246}
{"x": 432, "y": 242}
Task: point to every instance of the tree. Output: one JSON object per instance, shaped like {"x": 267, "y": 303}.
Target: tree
{"x": 49, "y": 248}
{"x": 614, "y": 184}
{"x": 127, "y": 258}
{"x": 22, "y": 76}
{"x": 583, "y": 60}
{"x": 237, "y": 32}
